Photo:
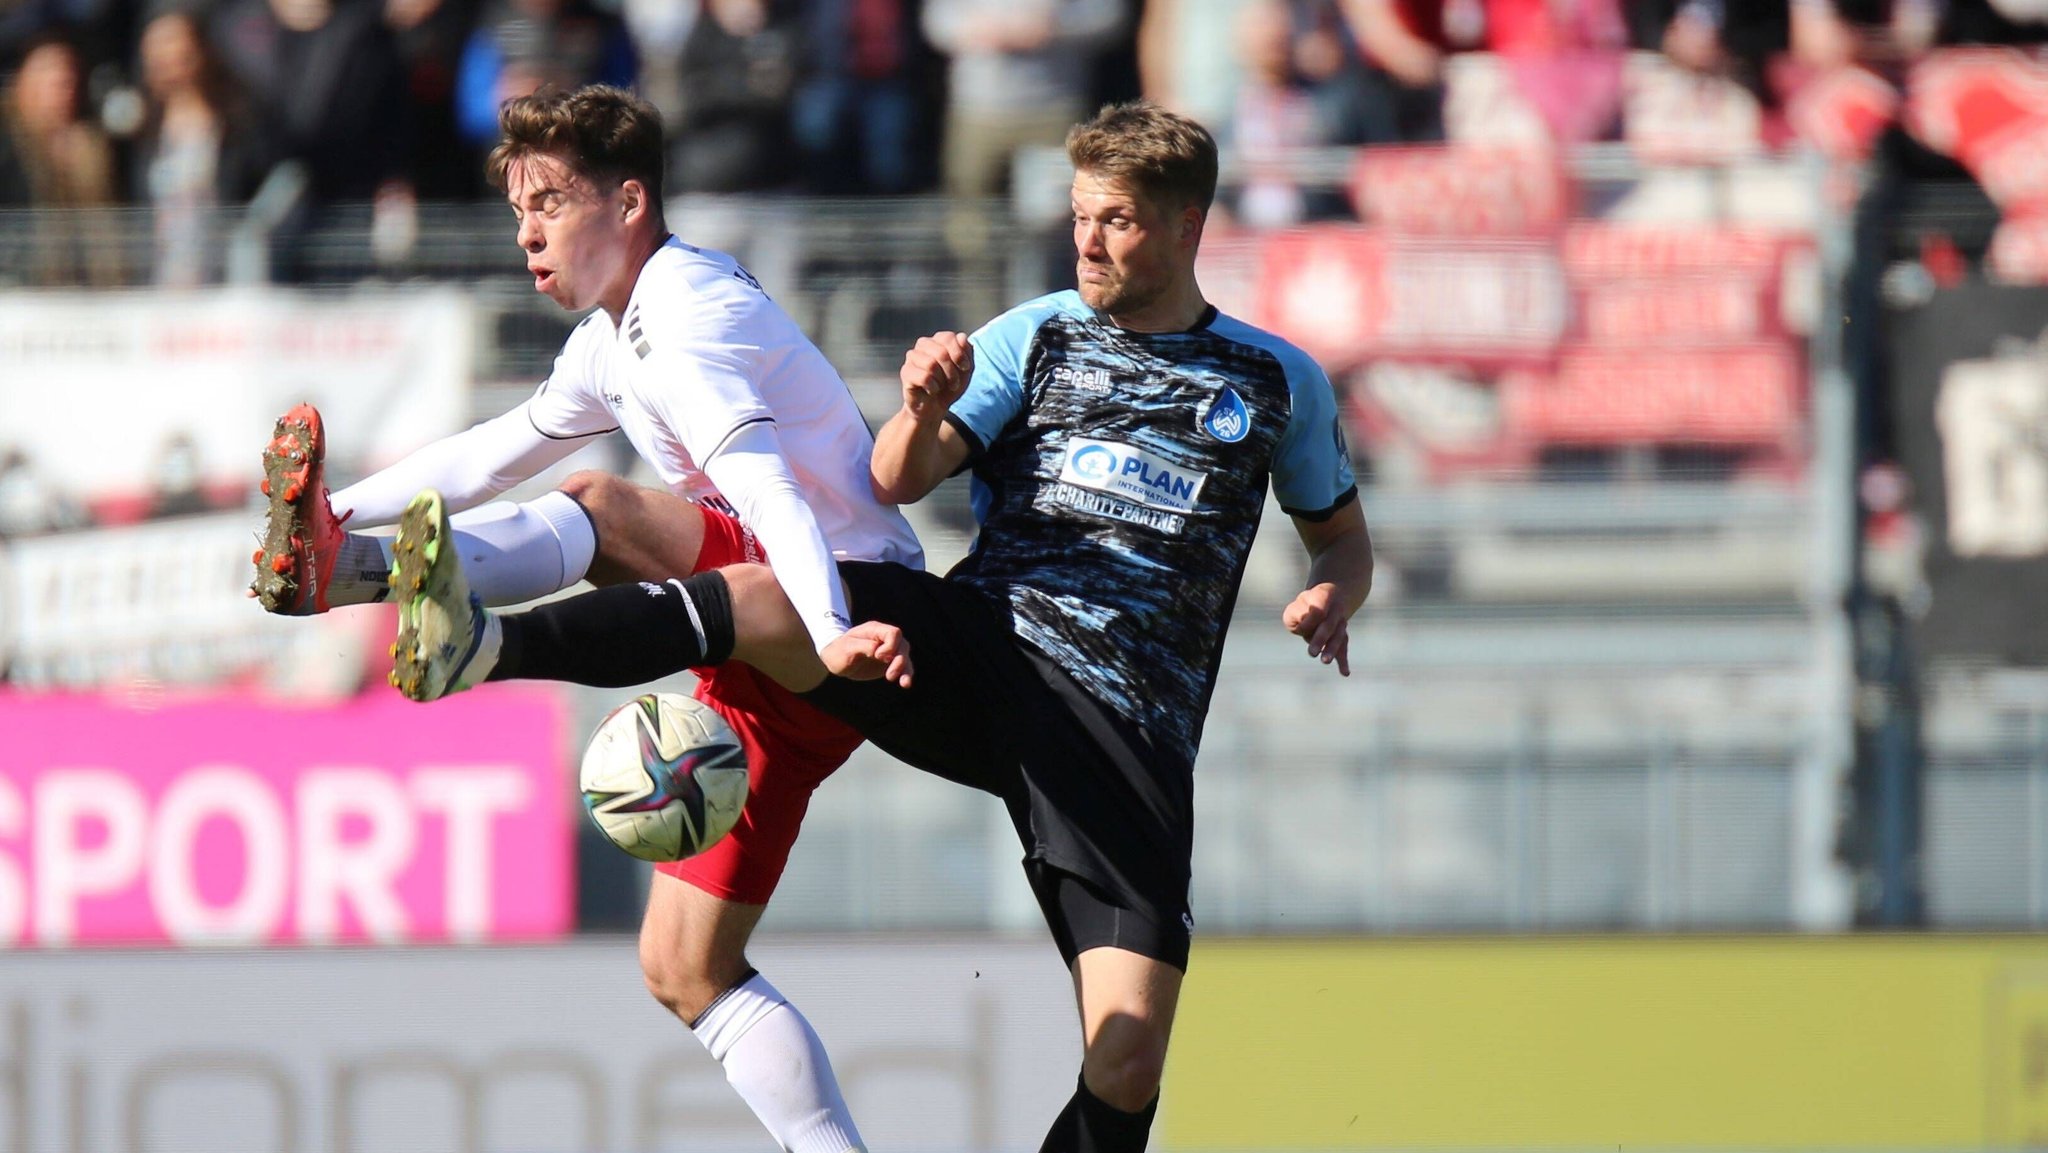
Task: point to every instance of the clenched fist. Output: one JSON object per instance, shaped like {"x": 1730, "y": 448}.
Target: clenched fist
{"x": 935, "y": 373}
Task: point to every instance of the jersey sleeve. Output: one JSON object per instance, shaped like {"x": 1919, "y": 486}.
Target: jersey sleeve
{"x": 570, "y": 403}
{"x": 751, "y": 471}
{"x": 704, "y": 367}
{"x": 995, "y": 394}
{"x": 473, "y": 466}
{"x": 1312, "y": 475}
{"x": 468, "y": 469}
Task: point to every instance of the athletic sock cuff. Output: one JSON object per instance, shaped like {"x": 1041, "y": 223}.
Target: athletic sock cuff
{"x": 708, "y": 598}
{"x": 737, "y": 1010}
{"x": 1118, "y": 1129}
{"x": 573, "y": 531}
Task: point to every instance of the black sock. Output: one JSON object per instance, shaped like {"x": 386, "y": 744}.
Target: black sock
{"x": 1091, "y": 1125}
{"x": 622, "y": 635}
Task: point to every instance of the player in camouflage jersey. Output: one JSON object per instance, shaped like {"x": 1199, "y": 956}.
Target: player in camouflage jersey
{"x": 1096, "y": 449}
{"x": 1121, "y": 440}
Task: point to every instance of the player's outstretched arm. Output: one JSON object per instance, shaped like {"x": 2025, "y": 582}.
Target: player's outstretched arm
{"x": 801, "y": 621}
{"x": 467, "y": 468}
{"x": 1339, "y": 579}
{"x": 917, "y": 449}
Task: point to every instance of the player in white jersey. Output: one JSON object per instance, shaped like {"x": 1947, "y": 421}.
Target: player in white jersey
{"x": 761, "y": 448}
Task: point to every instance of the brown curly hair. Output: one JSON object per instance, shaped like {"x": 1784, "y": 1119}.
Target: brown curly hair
{"x": 605, "y": 133}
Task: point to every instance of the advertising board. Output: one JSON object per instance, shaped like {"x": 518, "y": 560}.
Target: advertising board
{"x": 229, "y": 819}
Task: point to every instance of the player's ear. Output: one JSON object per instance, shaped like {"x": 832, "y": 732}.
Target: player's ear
{"x": 1191, "y": 221}
{"x": 632, "y": 199}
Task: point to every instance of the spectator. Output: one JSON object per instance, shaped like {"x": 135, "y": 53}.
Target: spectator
{"x": 523, "y": 45}
{"x": 1189, "y": 56}
{"x": 732, "y": 143}
{"x": 658, "y": 29}
{"x": 175, "y": 483}
{"x": 52, "y": 158}
{"x": 1373, "y": 68}
{"x": 430, "y": 35}
{"x": 1018, "y": 77}
{"x": 195, "y": 151}
{"x": 30, "y": 503}
{"x": 1389, "y": 88}
{"x": 331, "y": 105}
{"x": 1738, "y": 38}
{"x": 1566, "y": 58}
{"x": 739, "y": 71}
{"x": 1275, "y": 116}
{"x": 859, "y": 112}
{"x": 1113, "y": 68}
{"x": 327, "y": 83}
{"x": 101, "y": 32}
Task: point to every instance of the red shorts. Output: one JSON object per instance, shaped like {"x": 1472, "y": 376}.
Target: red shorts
{"x": 791, "y": 749}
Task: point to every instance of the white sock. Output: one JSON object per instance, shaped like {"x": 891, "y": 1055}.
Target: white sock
{"x": 362, "y": 570}
{"x": 778, "y": 1064}
{"x": 513, "y": 553}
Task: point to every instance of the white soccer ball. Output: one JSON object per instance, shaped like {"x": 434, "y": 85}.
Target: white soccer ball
{"x": 664, "y": 777}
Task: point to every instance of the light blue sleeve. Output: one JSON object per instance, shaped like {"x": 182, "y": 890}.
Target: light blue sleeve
{"x": 1312, "y": 465}
{"x": 995, "y": 394}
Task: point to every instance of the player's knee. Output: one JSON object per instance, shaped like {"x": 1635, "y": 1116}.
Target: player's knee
{"x": 758, "y": 603}
{"x": 681, "y": 987}
{"x": 1126, "y": 1063}
{"x": 592, "y": 486}
{"x": 757, "y": 595}
{"x": 767, "y": 632}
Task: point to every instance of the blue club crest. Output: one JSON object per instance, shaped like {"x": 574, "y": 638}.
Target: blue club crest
{"x": 1227, "y": 419}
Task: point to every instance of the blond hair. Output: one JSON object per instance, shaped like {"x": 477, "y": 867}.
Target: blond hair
{"x": 1163, "y": 155}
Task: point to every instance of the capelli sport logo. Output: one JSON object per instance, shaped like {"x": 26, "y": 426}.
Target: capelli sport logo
{"x": 1227, "y": 419}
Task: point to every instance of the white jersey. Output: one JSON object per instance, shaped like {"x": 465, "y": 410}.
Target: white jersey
{"x": 706, "y": 375}
{"x": 701, "y": 353}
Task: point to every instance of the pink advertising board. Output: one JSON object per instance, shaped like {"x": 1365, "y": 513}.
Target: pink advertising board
{"x": 229, "y": 819}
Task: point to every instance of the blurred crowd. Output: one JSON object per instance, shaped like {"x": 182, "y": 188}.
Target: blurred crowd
{"x": 186, "y": 104}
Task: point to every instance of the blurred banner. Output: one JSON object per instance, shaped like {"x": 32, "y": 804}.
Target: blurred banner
{"x": 1724, "y": 1043}
{"x": 1348, "y": 293}
{"x": 962, "y": 1045}
{"x": 1969, "y": 369}
{"x": 166, "y": 601}
{"x": 1486, "y": 341}
{"x": 119, "y": 406}
{"x": 227, "y": 819}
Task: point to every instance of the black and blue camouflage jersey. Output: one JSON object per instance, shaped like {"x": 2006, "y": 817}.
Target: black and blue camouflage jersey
{"x": 1119, "y": 478}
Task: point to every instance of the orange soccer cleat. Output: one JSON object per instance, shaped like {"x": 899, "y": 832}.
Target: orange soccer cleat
{"x": 302, "y": 536}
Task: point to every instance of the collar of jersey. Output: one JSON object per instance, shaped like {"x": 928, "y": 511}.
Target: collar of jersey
{"x": 1207, "y": 318}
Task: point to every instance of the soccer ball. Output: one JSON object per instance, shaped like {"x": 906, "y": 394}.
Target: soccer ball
{"x": 664, "y": 777}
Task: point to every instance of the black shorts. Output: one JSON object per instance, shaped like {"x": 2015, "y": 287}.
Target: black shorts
{"x": 1105, "y": 818}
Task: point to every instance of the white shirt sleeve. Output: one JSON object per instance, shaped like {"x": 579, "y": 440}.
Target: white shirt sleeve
{"x": 751, "y": 473}
{"x": 468, "y": 468}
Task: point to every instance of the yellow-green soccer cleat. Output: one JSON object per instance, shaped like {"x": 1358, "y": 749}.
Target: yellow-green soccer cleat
{"x": 441, "y": 624}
